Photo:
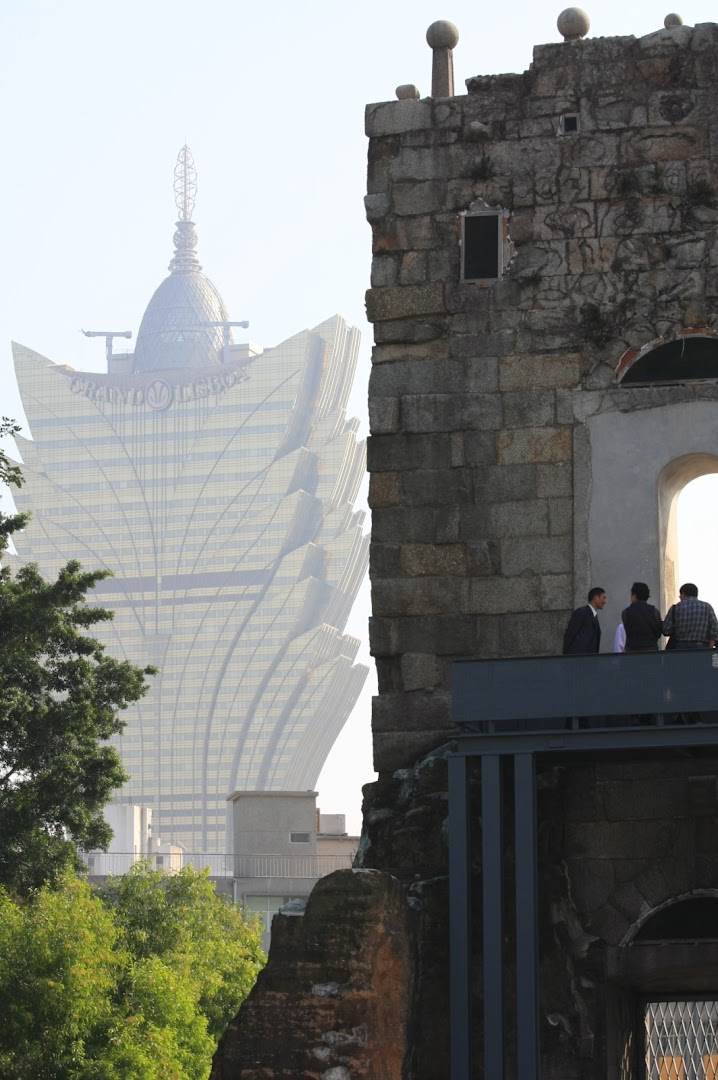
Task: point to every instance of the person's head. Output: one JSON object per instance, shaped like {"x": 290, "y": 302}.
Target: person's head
{"x": 640, "y": 591}
{"x": 689, "y": 589}
{"x": 597, "y": 598}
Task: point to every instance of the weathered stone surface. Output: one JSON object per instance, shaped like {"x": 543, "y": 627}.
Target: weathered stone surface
{"x": 418, "y": 198}
{"x": 536, "y": 555}
{"x": 404, "y": 452}
{"x": 420, "y": 560}
{"x": 383, "y": 415}
{"x": 501, "y": 594}
{"x": 402, "y": 303}
{"x": 533, "y": 445}
{"x": 383, "y": 489}
{"x": 420, "y": 671}
{"x": 528, "y": 408}
{"x": 490, "y": 405}
{"x": 394, "y": 117}
{"x": 361, "y": 1028}
{"x": 450, "y": 412}
{"x": 419, "y": 596}
{"x": 527, "y": 518}
{"x": 543, "y": 371}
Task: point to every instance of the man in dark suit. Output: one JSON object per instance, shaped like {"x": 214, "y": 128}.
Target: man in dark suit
{"x": 583, "y": 633}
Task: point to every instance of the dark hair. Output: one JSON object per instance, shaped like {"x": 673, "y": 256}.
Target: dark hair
{"x": 595, "y": 592}
{"x": 689, "y": 589}
{"x": 640, "y": 590}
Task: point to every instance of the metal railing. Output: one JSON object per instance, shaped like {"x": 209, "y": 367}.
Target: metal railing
{"x": 310, "y": 867}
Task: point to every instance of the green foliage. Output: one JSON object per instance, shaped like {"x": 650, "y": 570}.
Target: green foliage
{"x": 59, "y": 701}
{"x": 134, "y": 982}
{"x": 58, "y": 964}
{"x": 180, "y": 919}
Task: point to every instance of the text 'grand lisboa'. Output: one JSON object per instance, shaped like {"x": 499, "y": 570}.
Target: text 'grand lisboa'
{"x": 217, "y": 481}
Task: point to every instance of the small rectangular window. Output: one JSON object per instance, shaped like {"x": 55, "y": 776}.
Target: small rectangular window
{"x": 481, "y": 246}
{"x": 300, "y": 838}
{"x": 486, "y": 249}
{"x": 569, "y": 124}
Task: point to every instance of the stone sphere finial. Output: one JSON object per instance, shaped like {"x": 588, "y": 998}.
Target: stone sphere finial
{"x": 672, "y": 20}
{"x": 573, "y": 23}
{"x": 408, "y": 92}
{"x": 442, "y": 35}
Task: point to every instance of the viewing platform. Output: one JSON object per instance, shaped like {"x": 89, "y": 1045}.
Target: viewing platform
{"x": 556, "y": 709}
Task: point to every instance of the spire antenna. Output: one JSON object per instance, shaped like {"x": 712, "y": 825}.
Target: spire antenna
{"x": 185, "y": 184}
{"x": 185, "y": 239}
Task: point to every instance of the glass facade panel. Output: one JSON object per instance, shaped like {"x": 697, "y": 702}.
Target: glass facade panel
{"x": 220, "y": 494}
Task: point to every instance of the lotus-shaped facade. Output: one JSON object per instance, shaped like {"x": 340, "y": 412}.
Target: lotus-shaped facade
{"x": 222, "y": 498}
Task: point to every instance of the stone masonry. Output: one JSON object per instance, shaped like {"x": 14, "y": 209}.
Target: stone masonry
{"x": 506, "y": 465}
{"x": 480, "y": 396}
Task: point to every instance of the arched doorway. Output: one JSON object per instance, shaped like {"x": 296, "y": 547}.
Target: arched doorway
{"x": 668, "y": 964}
{"x": 636, "y": 464}
{"x": 672, "y": 483}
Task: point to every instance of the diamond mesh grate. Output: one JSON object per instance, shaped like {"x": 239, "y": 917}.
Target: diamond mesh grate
{"x": 681, "y": 1040}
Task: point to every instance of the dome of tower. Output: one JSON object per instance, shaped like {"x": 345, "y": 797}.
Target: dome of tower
{"x": 176, "y": 330}
{"x": 182, "y": 326}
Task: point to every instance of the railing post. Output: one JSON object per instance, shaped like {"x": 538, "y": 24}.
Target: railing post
{"x": 459, "y": 920}
{"x": 493, "y": 930}
{"x": 527, "y": 953}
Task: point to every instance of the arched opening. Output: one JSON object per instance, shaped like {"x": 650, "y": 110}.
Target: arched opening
{"x": 687, "y": 493}
{"x": 691, "y": 356}
{"x": 637, "y": 464}
{"x": 697, "y": 526}
{"x": 667, "y": 967}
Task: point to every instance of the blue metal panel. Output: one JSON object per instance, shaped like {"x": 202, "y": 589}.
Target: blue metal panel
{"x": 527, "y": 956}
{"x": 459, "y": 920}
{"x": 631, "y": 738}
{"x": 492, "y": 877}
{"x": 486, "y": 692}
{"x": 500, "y": 693}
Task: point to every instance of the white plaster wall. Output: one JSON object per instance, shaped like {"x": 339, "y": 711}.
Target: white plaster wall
{"x": 635, "y": 476}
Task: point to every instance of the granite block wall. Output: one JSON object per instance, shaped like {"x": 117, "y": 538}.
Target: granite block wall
{"x": 481, "y": 394}
{"x": 499, "y": 428}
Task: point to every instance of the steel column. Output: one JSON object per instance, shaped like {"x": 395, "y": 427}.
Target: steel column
{"x": 459, "y": 919}
{"x": 527, "y": 953}
{"x": 493, "y": 929}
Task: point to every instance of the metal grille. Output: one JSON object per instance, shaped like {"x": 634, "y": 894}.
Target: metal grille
{"x": 681, "y": 1040}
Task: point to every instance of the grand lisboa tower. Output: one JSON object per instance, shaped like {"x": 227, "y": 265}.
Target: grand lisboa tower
{"x": 217, "y": 481}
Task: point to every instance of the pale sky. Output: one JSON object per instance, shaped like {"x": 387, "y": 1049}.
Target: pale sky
{"x": 270, "y": 97}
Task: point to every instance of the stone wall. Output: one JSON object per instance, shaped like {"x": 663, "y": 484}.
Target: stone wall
{"x": 481, "y": 398}
{"x": 498, "y": 432}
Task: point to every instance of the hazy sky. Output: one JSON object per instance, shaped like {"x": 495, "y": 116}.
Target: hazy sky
{"x": 270, "y": 97}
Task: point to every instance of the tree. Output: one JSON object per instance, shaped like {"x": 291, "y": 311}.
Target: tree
{"x": 59, "y": 701}
{"x": 59, "y": 964}
{"x": 133, "y": 982}
{"x": 180, "y": 919}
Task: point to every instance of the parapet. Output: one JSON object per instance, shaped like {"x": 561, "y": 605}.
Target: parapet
{"x": 609, "y": 68}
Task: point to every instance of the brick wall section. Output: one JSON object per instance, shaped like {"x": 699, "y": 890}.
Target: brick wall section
{"x": 477, "y": 394}
{"x": 333, "y": 1002}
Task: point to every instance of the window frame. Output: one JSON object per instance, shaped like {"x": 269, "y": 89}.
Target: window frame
{"x": 505, "y": 247}
{"x": 562, "y": 130}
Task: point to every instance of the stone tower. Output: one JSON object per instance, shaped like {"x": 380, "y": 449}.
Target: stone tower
{"x": 544, "y": 300}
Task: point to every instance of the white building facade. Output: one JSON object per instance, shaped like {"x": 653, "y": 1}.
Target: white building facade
{"x": 217, "y": 481}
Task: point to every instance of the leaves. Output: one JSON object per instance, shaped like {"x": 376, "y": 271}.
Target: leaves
{"x": 134, "y": 982}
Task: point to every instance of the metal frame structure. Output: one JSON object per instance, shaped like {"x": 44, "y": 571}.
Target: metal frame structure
{"x": 509, "y": 710}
